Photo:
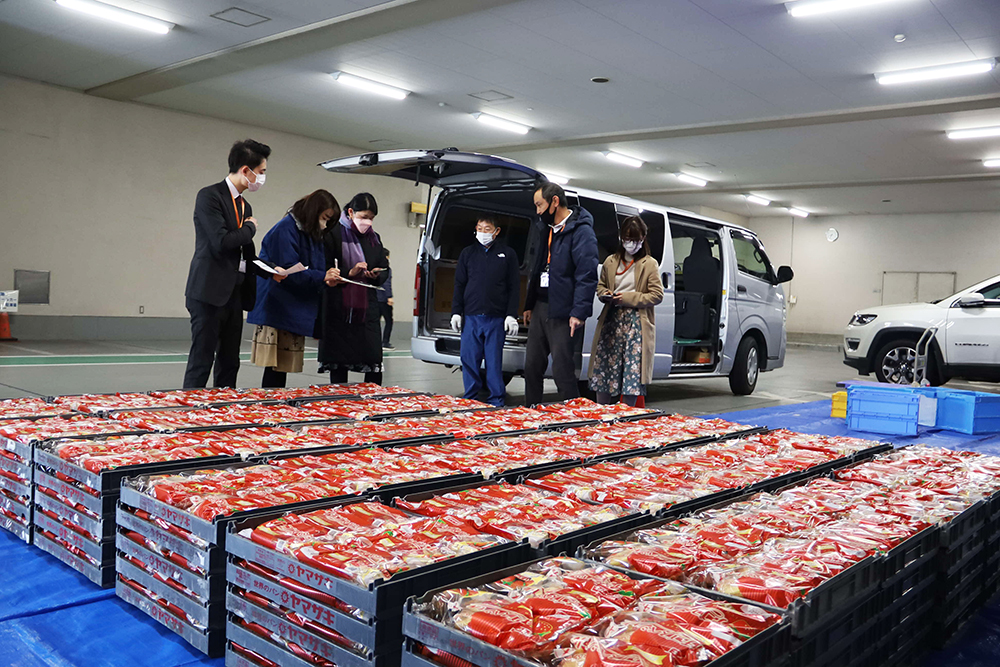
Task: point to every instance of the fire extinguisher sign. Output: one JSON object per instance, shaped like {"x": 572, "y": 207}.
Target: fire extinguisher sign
{"x": 8, "y": 302}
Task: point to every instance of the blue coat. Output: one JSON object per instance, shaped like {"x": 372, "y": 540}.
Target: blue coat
{"x": 573, "y": 273}
{"x": 293, "y": 304}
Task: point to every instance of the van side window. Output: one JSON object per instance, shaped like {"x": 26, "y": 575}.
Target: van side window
{"x": 750, "y": 257}
{"x": 605, "y": 225}
{"x": 657, "y": 225}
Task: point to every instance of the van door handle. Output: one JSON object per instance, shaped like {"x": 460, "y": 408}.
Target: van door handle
{"x": 665, "y": 278}
{"x": 741, "y": 289}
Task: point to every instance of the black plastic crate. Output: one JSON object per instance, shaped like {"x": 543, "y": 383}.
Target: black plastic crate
{"x": 99, "y": 530}
{"x": 209, "y": 614}
{"x": 965, "y": 526}
{"x": 108, "y": 482}
{"x": 101, "y": 505}
{"x": 280, "y": 655}
{"x": 206, "y": 587}
{"x": 957, "y": 601}
{"x": 953, "y": 575}
{"x": 914, "y": 555}
{"x": 838, "y": 594}
{"x": 384, "y": 598}
{"x": 849, "y": 634}
{"x": 103, "y": 576}
{"x": 378, "y": 636}
{"x": 210, "y": 642}
{"x": 102, "y": 551}
{"x": 918, "y": 578}
{"x": 20, "y": 467}
{"x": 209, "y": 560}
{"x": 911, "y": 612}
{"x": 20, "y": 530}
{"x": 759, "y": 651}
{"x": 296, "y": 634}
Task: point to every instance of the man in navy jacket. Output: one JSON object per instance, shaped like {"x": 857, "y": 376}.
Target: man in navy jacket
{"x": 487, "y": 288}
{"x": 560, "y": 293}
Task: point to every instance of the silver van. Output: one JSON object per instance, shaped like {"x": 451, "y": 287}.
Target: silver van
{"x": 723, "y": 311}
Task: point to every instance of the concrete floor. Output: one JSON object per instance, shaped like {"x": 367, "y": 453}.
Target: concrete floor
{"x": 45, "y": 368}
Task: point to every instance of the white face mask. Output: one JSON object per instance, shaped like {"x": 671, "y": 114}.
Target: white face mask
{"x": 255, "y": 186}
{"x": 484, "y": 237}
{"x": 632, "y": 247}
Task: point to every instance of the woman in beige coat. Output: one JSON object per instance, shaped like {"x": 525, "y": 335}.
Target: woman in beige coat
{"x": 621, "y": 361}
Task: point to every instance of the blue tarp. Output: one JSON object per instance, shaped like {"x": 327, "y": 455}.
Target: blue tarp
{"x": 51, "y": 616}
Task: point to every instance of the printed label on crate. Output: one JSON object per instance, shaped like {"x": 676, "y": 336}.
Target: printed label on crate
{"x": 64, "y": 533}
{"x": 285, "y": 597}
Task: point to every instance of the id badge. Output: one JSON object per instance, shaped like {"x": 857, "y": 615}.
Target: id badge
{"x": 543, "y": 280}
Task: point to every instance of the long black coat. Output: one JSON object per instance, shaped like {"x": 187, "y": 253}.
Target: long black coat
{"x": 345, "y": 343}
{"x": 220, "y": 243}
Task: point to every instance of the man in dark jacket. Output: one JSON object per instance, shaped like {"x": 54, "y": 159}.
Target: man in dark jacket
{"x": 487, "y": 288}
{"x": 221, "y": 281}
{"x": 560, "y": 293}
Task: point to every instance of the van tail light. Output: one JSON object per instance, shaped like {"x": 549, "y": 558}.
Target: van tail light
{"x": 417, "y": 280}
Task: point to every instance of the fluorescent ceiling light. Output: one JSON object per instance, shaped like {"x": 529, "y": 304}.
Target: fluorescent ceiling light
{"x": 975, "y": 133}
{"x": 118, "y": 15}
{"x": 991, "y": 163}
{"x": 556, "y": 178}
{"x": 369, "y": 85}
{"x": 754, "y": 199}
{"x": 799, "y": 212}
{"x": 501, "y": 123}
{"x": 949, "y": 71}
{"x": 814, "y": 7}
{"x": 624, "y": 159}
{"x": 693, "y": 180}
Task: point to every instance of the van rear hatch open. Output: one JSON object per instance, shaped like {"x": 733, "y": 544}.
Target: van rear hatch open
{"x": 443, "y": 168}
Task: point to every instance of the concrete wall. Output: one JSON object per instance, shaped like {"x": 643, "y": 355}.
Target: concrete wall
{"x": 833, "y": 280}
{"x": 101, "y": 194}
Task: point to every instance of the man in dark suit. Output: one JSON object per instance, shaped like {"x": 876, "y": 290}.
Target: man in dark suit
{"x": 222, "y": 280}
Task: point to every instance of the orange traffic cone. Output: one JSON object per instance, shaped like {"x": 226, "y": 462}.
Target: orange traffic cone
{"x": 5, "y": 328}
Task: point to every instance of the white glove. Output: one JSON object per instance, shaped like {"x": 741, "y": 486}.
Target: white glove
{"x": 456, "y": 322}
{"x": 510, "y": 324}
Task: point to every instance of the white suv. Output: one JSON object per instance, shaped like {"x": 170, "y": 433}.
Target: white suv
{"x": 883, "y": 339}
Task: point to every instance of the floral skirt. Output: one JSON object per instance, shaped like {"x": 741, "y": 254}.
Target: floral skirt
{"x": 617, "y": 366}
{"x": 277, "y": 349}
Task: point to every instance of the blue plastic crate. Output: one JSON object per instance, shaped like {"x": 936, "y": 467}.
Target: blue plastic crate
{"x": 886, "y": 425}
{"x": 970, "y": 412}
{"x": 890, "y": 410}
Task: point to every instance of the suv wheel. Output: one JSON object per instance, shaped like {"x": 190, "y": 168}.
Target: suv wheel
{"x": 746, "y": 368}
{"x": 895, "y": 360}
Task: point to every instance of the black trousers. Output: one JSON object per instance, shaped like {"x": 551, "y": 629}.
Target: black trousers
{"x": 216, "y": 334}
{"x": 550, "y": 336}
{"x": 385, "y": 310}
{"x": 273, "y": 379}
{"x": 339, "y": 376}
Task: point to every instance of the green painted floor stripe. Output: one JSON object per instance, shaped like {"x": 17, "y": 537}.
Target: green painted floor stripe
{"x": 80, "y": 360}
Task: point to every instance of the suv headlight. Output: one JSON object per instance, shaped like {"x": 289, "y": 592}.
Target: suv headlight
{"x": 861, "y": 319}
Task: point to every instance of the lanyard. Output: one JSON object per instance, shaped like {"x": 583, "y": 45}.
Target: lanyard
{"x": 239, "y": 212}
{"x": 625, "y": 270}
{"x": 561, "y": 226}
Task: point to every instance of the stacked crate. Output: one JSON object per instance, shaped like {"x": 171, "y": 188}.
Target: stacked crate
{"x": 16, "y": 479}
{"x": 268, "y": 588}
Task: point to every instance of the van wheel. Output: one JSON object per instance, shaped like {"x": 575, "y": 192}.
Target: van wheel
{"x": 746, "y": 368}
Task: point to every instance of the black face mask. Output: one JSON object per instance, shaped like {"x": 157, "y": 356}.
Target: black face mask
{"x": 548, "y": 218}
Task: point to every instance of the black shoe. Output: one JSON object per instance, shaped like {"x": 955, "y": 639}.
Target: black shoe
{"x": 388, "y": 346}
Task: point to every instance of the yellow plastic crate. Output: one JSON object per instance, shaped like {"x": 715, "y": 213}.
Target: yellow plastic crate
{"x": 839, "y": 410}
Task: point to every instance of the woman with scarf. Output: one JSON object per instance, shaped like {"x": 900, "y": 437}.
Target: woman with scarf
{"x": 287, "y": 311}
{"x": 351, "y": 338}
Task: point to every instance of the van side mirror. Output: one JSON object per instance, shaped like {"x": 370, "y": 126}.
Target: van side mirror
{"x": 785, "y": 274}
{"x": 974, "y": 300}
